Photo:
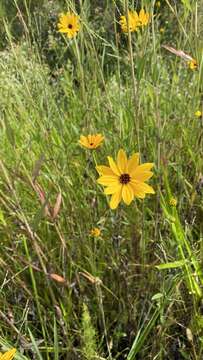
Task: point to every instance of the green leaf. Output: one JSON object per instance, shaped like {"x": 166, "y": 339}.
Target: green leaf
{"x": 187, "y": 4}
{"x": 171, "y": 265}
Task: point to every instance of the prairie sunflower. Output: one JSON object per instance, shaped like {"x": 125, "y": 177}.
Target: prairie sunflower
{"x": 125, "y": 179}
{"x": 95, "y": 232}
{"x": 143, "y": 18}
{"x": 8, "y": 355}
{"x": 192, "y": 64}
{"x": 198, "y": 113}
{"x": 69, "y": 24}
{"x": 173, "y": 201}
{"x": 133, "y": 22}
{"x": 91, "y": 141}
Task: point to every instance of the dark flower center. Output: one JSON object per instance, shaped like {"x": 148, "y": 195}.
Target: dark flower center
{"x": 124, "y": 178}
{"x": 70, "y": 26}
{"x": 91, "y": 144}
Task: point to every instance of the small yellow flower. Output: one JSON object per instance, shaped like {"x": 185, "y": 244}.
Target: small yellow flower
{"x": 133, "y": 22}
{"x": 96, "y": 232}
{"x": 69, "y": 24}
{"x": 198, "y": 113}
{"x": 158, "y": 4}
{"x": 162, "y": 30}
{"x": 8, "y": 355}
{"x": 143, "y": 18}
{"x": 91, "y": 141}
{"x": 173, "y": 202}
{"x": 192, "y": 64}
{"x": 125, "y": 179}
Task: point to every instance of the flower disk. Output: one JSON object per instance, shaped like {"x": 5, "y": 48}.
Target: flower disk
{"x": 8, "y": 355}
{"x": 125, "y": 179}
{"x": 69, "y": 24}
{"x": 91, "y": 141}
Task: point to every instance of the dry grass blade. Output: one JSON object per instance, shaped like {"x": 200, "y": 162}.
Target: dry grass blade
{"x": 57, "y": 206}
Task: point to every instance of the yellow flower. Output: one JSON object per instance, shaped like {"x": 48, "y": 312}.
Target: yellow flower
{"x": 8, "y": 355}
{"x": 158, "y": 4}
{"x": 69, "y": 24}
{"x": 133, "y": 22}
{"x": 173, "y": 202}
{"x": 143, "y": 18}
{"x": 125, "y": 179}
{"x": 162, "y": 30}
{"x": 198, "y": 113}
{"x": 91, "y": 141}
{"x": 192, "y": 64}
{"x": 95, "y": 232}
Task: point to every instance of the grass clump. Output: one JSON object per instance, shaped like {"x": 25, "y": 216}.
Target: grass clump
{"x": 89, "y": 348}
{"x": 67, "y": 103}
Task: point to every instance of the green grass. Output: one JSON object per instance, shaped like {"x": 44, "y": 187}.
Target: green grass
{"x": 136, "y": 291}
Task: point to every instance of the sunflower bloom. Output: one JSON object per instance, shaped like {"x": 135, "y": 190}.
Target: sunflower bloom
{"x": 143, "y": 18}
{"x": 173, "y": 202}
{"x": 125, "y": 179}
{"x": 95, "y": 232}
{"x": 91, "y": 141}
{"x": 8, "y": 355}
{"x": 192, "y": 64}
{"x": 198, "y": 113}
{"x": 69, "y": 24}
{"x": 133, "y": 22}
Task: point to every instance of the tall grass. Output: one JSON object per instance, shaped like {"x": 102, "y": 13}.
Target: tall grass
{"x": 138, "y": 286}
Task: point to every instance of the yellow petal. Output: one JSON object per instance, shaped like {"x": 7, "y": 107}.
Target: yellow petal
{"x": 127, "y": 194}
{"x": 8, "y": 355}
{"x": 141, "y": 186}
{"x": 90, "y": 139}
{"x": 138, "y": 192}
{"x": 112, "y": 189}
{"x": 83, "y": 141}
{"x": 140, "y": 168}
{"x": 104, "y": 170}
{"x": 115, "y": 199}
{"x": 113, "y": 166}
{"x": 122, "y": 161}
{"x": 133, "y": 163}
{"x": 98, "y": 140}
{"x": 108, "y": 180}
{"x": 142, "y": 176}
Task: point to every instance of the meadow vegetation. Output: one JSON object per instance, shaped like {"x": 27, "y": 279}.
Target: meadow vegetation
{"x": 78, "y": 279}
